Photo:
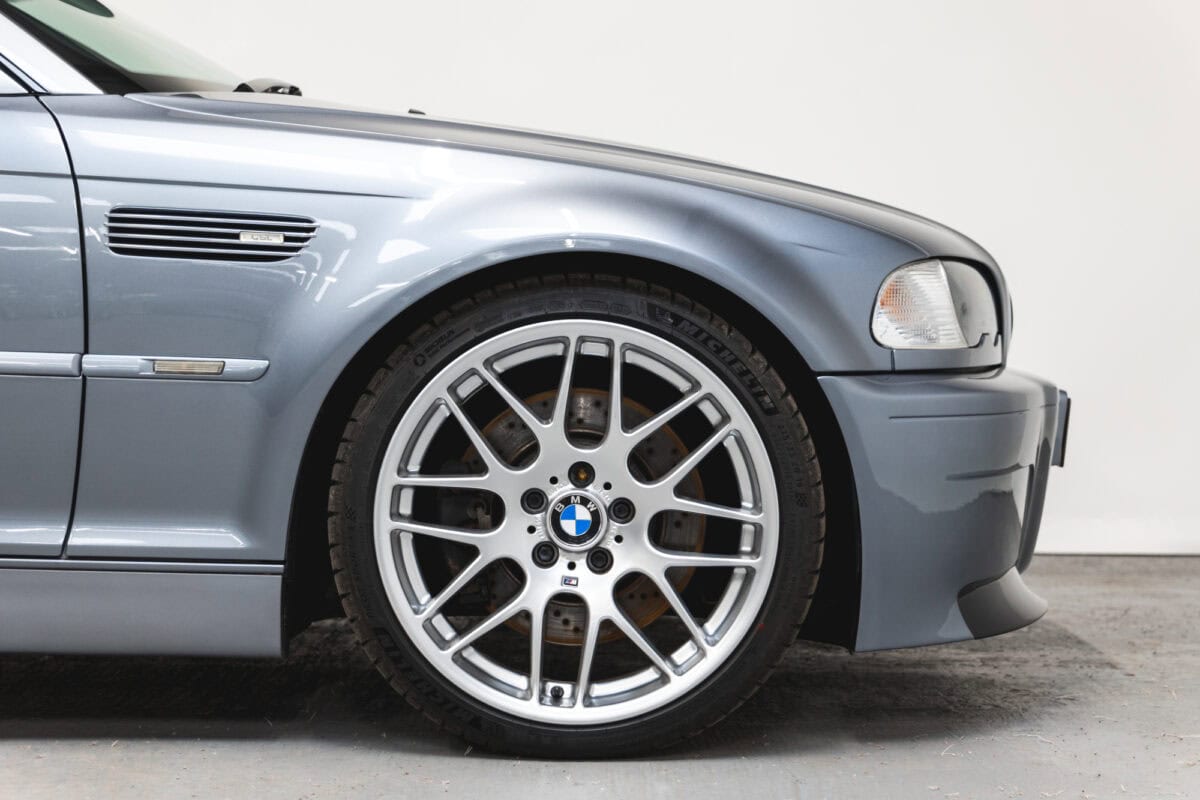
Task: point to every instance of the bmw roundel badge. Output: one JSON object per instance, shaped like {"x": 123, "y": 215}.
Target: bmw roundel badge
{"x": 576, "y": 519}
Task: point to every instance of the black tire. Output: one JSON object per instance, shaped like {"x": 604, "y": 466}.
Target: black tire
{"x": 670, "y": 315}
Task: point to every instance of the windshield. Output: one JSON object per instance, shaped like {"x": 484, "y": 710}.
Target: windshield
{"x": 113, "y": 52}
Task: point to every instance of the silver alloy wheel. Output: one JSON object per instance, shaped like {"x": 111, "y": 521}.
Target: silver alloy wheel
{"x": 456, "y": 651}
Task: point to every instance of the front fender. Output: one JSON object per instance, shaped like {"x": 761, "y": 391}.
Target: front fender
{"x": 206, "y": 470}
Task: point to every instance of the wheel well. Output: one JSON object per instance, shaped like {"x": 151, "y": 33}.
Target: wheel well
{"x": 308, "y": 580}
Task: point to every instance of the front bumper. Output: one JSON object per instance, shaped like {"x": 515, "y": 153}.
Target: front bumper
{"x": 950, "y": 474}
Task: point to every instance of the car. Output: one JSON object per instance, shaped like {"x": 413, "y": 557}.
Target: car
{"x": 577, "y": 437}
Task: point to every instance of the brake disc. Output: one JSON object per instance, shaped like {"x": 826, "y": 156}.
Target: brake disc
{"x": 637, "y": 595}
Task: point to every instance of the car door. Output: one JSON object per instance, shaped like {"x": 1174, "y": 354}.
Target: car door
{"x": 41, "y": 328}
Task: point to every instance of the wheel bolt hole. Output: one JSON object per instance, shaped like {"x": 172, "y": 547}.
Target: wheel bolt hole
{"x": 622, "y": 511}
{"x": 618, "y": 538}
{"x": 607, "y": 486}
{"x": 545, "y": 554}
{"x": 570, "y": 565}
{"x": 599, "y": 561}
{"x": 531, "y": 529}
{"x": 534, "y": 501}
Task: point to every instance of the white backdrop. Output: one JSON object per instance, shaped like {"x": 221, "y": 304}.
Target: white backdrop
{"x": 1063, "y": 135}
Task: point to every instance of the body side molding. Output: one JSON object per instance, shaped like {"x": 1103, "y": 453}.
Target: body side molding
{"x": 173, "y": 367}
{"x": 72, "y": 365}
{"x": 145, "y": 565}
{"x": 58, "y": 365}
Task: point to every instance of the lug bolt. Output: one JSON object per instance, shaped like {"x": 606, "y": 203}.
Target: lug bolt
{"x": 600, "y": 561}
{"x": 621, "y": 511}
{"x": 556, "y": 692}
{"x": 545, "y": 554}
{"x": 534, "y": 501}
{"x": 582, "y": 474}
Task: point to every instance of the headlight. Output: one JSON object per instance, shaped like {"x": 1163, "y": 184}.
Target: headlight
{"x": 934, "y": 305}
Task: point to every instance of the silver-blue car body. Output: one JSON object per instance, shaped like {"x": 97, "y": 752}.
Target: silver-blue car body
{"x": 174, "y": 398}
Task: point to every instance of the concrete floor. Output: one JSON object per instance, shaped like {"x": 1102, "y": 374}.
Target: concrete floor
{"x": 1099, "y": 699}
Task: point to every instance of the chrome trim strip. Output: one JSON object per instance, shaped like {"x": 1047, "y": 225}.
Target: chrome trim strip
{"x": 249, "y": 221}
{"x": 114, "y": 234}
{"x": 202, "y": 251}
{"x": 234, "y": 369}
{"x": 62, "y": 365}
{"x": 108, "y": 565}
{"x": 40, "y": 64}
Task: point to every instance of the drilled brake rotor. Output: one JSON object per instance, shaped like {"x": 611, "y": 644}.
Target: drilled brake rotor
{"x": 637, "y": 595}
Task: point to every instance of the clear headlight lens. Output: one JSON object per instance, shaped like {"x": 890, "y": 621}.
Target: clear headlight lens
{"x": 934, "y": 305}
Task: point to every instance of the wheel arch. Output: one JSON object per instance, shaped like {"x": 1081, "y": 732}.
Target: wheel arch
{"x": 309, "y": 593}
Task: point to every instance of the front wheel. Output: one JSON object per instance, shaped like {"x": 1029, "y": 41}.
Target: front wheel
{"x": 576, "y": 517}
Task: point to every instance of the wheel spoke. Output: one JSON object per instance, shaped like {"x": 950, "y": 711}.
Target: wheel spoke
{"x": 713, "y": 510}
{"x": 591, "y": 636}
{"x": 559, "y": 417}
{"x": 456, "y": 584}
{"x": 488, "y": 624}
{"x": 615, "y": 394}
{"x": 470, "y": 536}
{"x": 663, "y": 417}
{"x": 672, "y": 559}
{"x": 531, "y": 420}
{"x": 693, "y": 459}
{"x": 537, "y": 623}
{"x": 444, "y": 481}
{"x": 481, "y": 445}
{"x": 667, "y": 589}
{"x": 636, "y": 636}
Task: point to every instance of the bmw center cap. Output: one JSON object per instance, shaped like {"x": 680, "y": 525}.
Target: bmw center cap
{"x": 577, "y": 520}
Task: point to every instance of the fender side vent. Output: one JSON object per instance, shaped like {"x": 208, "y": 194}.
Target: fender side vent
{"x": 207, "y": 235}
